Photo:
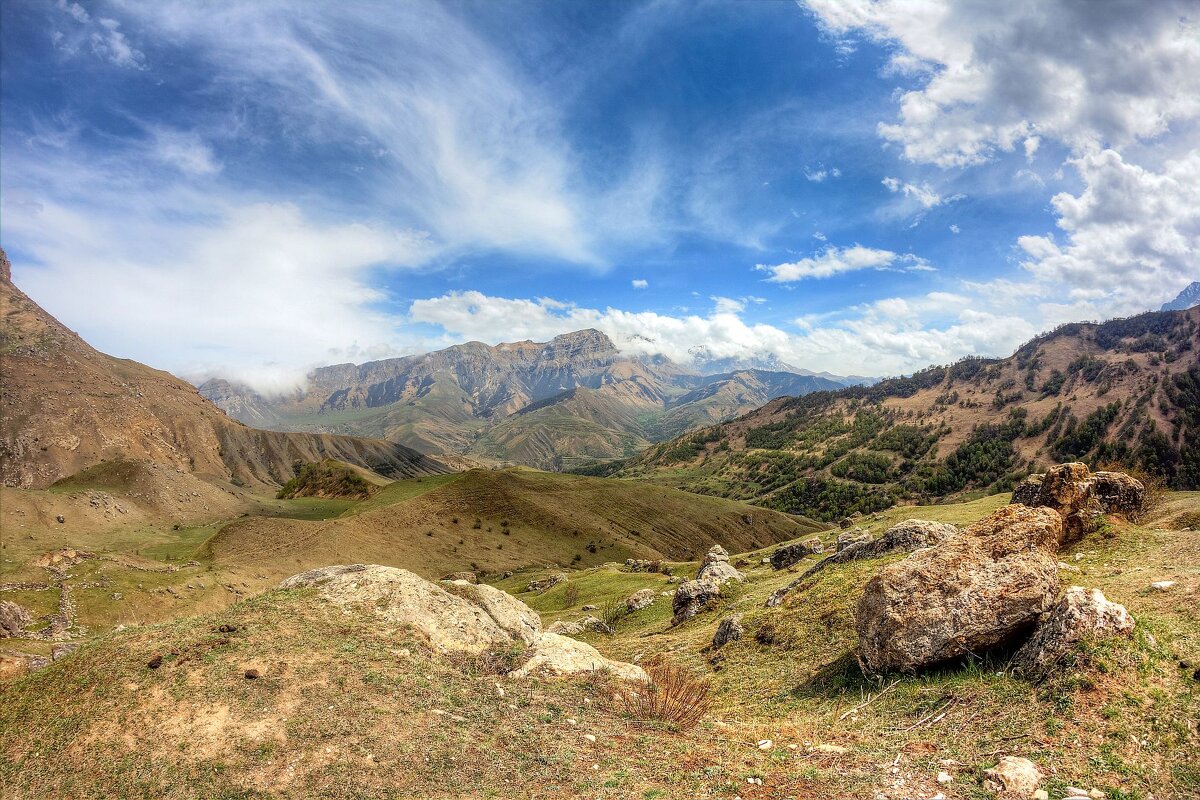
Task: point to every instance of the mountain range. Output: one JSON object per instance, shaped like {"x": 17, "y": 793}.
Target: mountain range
{"x": 552, "y": 405}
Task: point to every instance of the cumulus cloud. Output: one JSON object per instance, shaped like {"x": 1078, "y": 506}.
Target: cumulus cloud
{"x": 640, "y": 283}
{"x": 1117, "y": 86}
{"x": 1003, "y": 75}
{"x": 887, "y": 337}
{"x": 837, "y": 260}
{"x": 1130, "y": 237}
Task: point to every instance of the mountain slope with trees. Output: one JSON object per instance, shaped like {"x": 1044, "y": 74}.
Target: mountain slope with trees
{"x": 1125, "y": 392}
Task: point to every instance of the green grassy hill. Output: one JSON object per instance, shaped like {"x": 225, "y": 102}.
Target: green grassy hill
{"x": 1124, "y": 392}
{"x": 345, "y": 708}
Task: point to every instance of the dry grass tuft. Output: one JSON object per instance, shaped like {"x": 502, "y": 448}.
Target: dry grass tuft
{"x": 672, "y": 696}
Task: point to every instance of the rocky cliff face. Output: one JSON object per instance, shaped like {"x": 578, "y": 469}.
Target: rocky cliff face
{"x": 552, "y": 405}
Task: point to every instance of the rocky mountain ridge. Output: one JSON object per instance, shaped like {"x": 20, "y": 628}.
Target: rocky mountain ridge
{"x": 1188, "y": 298}
{"x": 552, "y": 405}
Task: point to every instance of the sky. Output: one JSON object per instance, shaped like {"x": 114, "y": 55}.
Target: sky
{"x": 253, "y": 189}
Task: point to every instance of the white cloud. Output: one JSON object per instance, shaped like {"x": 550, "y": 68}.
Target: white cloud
{"x": 1131, "y": 236}
{"x": 184, "y": 150}
{"x": 837, "y": 260}
{"x": 999, "y": 75}
{"x": 819, "y": 173}
{"x": 639, "y": 283}
{"x": 883, "y": 338}
{"x": 955, "y": 229}
{"x": 924, "y": 194}
{"x": 102, "y": 34}
{"x": 197, "y": 284}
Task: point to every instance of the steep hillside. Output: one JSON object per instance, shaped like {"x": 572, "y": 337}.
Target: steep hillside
{"x": 497, "y": 520}
{"x": 1126, "y": 391}
{"x": 66, "y": 407}
{"x": 554, "y": 405}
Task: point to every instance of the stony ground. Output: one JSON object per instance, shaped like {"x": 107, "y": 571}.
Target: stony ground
{"x": 343, "y": 707}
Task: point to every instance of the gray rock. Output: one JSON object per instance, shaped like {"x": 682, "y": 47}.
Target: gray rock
{"x": 1079, "y": 615}
{"x": 971, "y": 592}
{"x": 62, "y": 649}
{"x": 730, "y": 629}
{"x": 14, "y": 619}
{"x": 692, "y": 597}
{"x": 549, "y": 582}
{"x": 844, "y": 540}
{"x": 716, "y": 567}
{"x": 791, "y": 554}
{"x": 639, "y": 599}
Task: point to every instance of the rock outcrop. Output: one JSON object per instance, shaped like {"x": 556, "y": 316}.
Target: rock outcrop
{"x": 910, "y": 534}
{"x": 729, "y": 630}
{"x": 1079, "y": 615}
{"x": 14, "y": 619}
{"x": 514, "y": 617}
{"x": 1082, "y": 497}
{"x": 971, "y": 592}
{"x": 692, "y": 597}
{"x": 549, "y": 582}
{"x": 716, "y": 567}
{"x": 640, "y": 599}
{"x": 791, "y": 554}
{"x": 555, "y": 654}
{"x": 457, "y": 617}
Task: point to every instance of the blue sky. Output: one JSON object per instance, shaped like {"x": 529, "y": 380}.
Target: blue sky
{"x": 859, "y": 187}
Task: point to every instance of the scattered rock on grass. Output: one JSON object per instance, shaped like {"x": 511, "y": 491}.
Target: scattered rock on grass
{"x": 716, "y": 567}
{"x": 1013, "y": 777}
{"x": 730, "y": 629}
{"x": 1080, "y": 614}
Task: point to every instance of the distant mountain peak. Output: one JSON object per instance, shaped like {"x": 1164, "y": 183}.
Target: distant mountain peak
{"x": 1189, "y": 297}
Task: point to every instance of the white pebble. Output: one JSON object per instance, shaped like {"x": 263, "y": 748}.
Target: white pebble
{"x": 765, "y": 744}
{"x": 944, "y": 777}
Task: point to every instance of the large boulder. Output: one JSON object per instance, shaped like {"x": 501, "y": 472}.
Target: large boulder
{"x": 450, "y": 623}
{"x": 716, "y": 567}
{"x": 1082, "y": 497}
{"x": 14, "y": 619}
{"x": 555, "y": 654}
{"x": 967, "y": 594}
{"x": 1079, "y": 615}
{"x": 514, "y": 617}
{"x": 457, "y": 617}
{"x": 791, "y": 554}
{"x": 692, "y": 597}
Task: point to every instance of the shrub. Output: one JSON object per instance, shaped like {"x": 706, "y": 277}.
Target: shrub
{"x": 611, "y": 612}
{"x": 672, "y": 696}
{"x": 570, "y": 595}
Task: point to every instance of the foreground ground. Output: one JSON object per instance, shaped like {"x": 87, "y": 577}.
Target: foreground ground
{"x": 345, "y": 708}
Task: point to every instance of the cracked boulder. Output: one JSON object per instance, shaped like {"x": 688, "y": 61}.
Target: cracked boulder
{"x": 967, "y": 594}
